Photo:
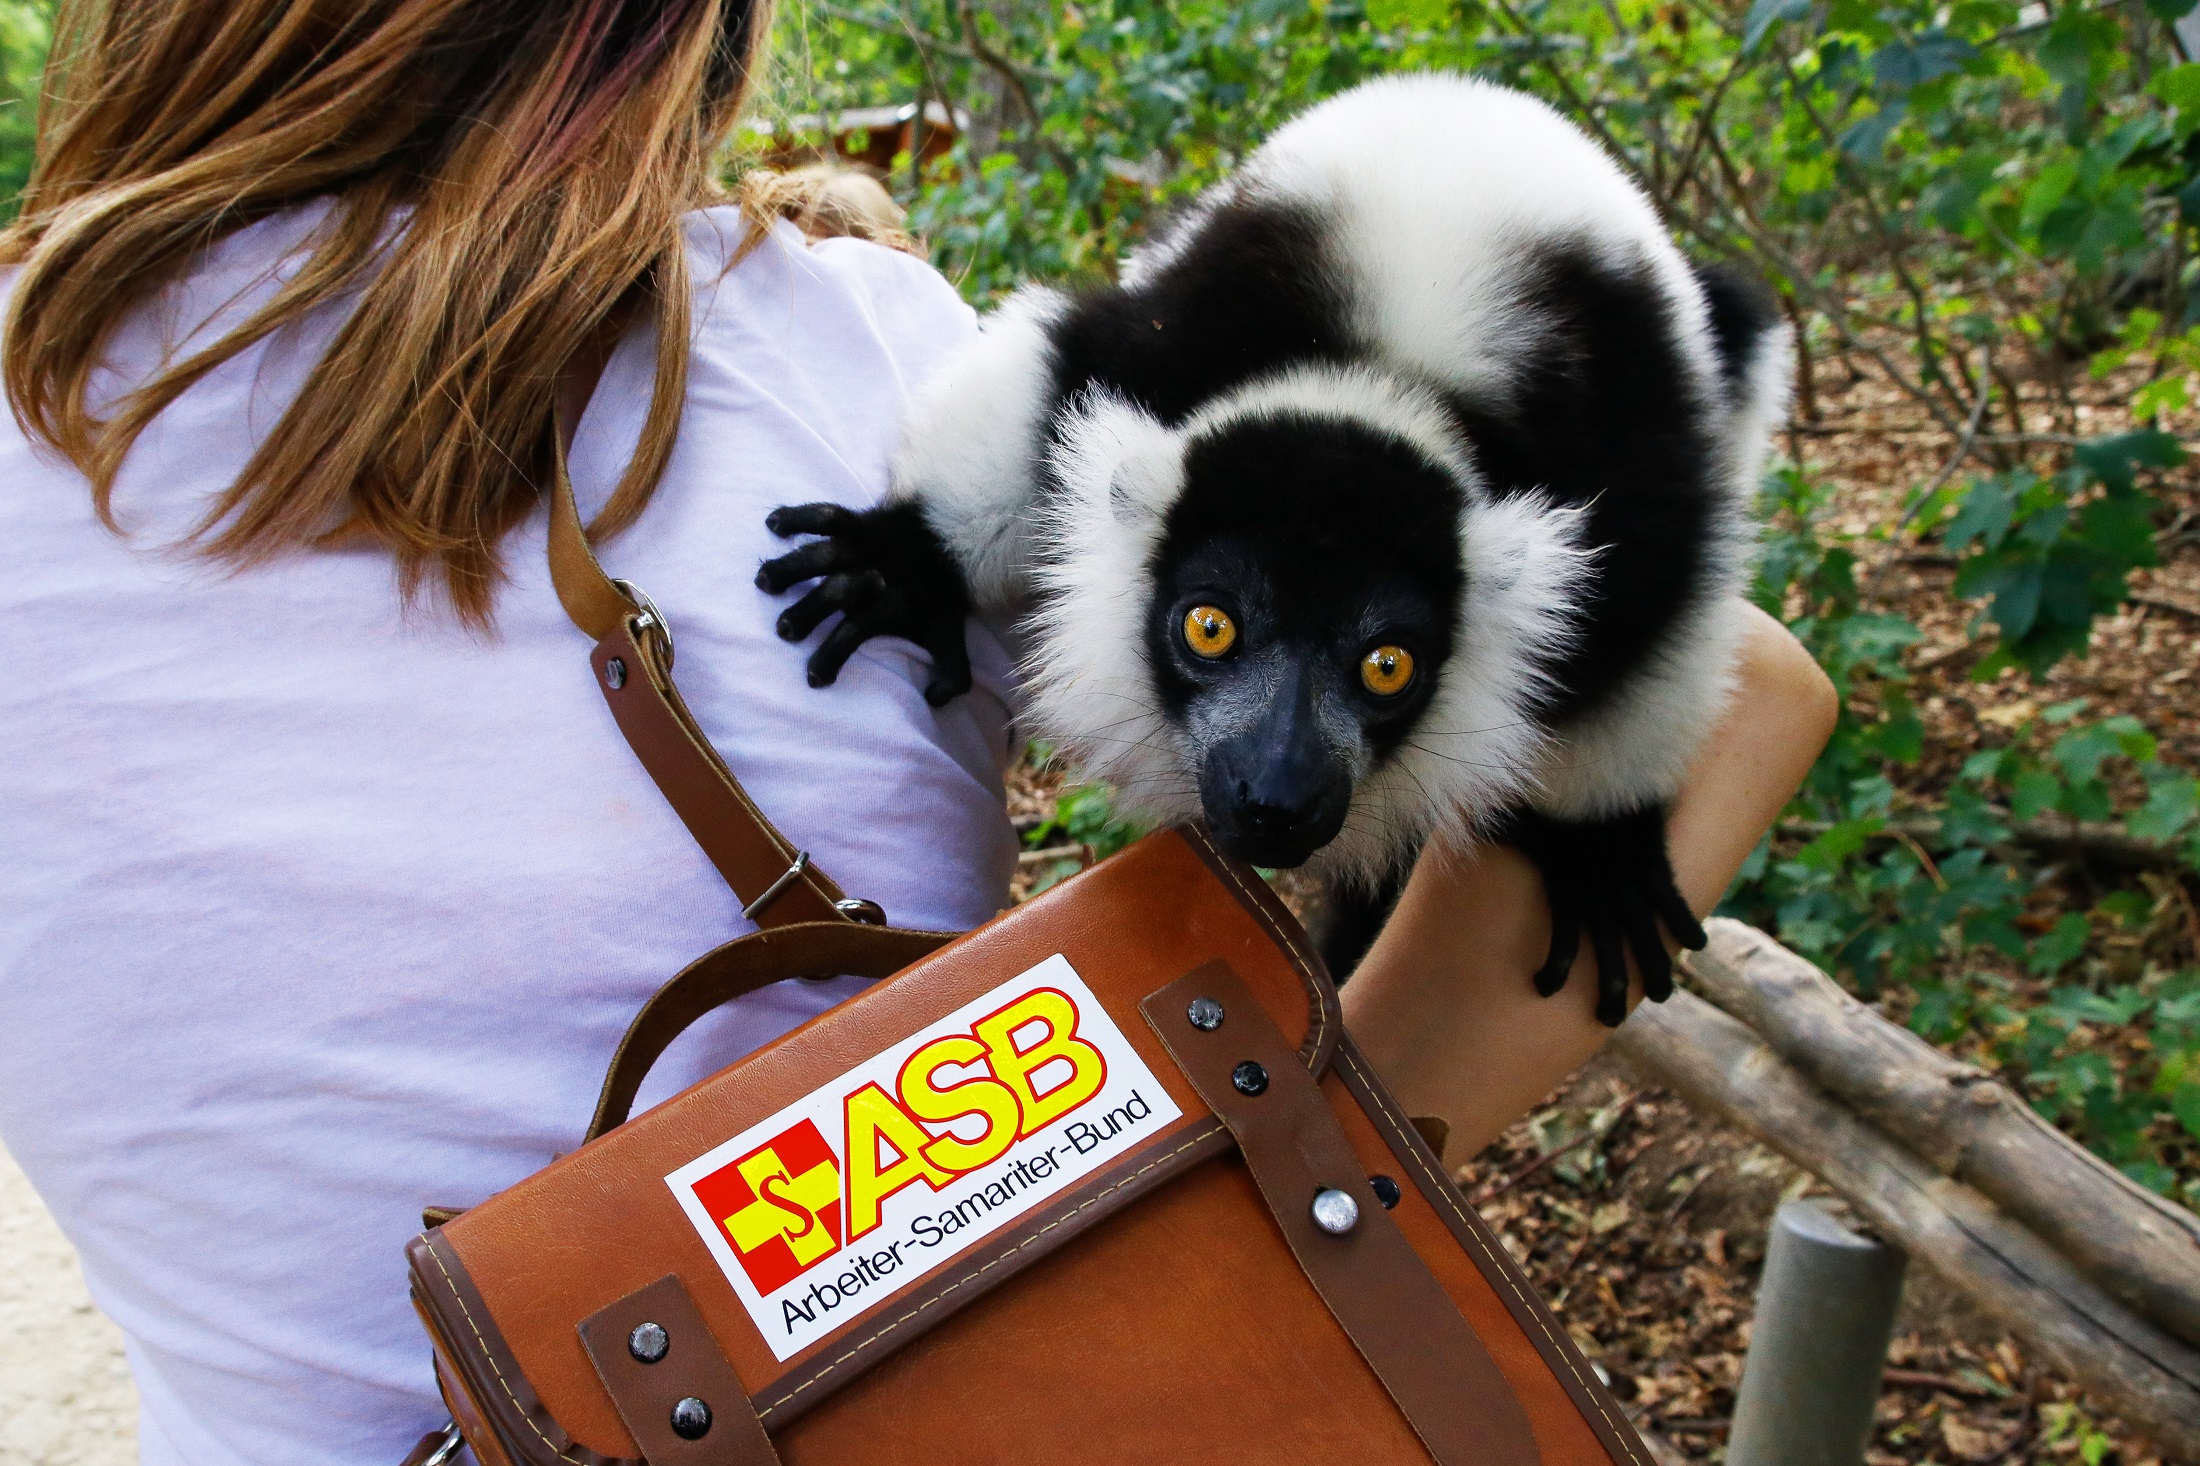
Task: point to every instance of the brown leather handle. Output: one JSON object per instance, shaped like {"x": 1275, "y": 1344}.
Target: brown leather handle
{"x": 632, "y": 661}
{"x": 803, "y": 949}
{"x": 1437, "y": 1371}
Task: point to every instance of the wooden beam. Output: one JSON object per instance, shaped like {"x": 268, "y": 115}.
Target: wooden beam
{"x": 2143, "y": 1248}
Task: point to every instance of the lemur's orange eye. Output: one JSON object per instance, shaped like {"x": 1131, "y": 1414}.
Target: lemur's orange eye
{"x": 1387, "y": 670}
{"x": 1209, "y": 631}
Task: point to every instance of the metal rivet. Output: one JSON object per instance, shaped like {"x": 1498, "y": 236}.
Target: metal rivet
{"x": 648, "y": 1342}
{"x": 1386, "y": 1190}
{"x": 690, "y": 1419}
{"x": 614, "y": 674}
{"x": 1206, "y": 1014}
{"x": 1249, "y": 1077}
{"x": 1335, "y": 1212}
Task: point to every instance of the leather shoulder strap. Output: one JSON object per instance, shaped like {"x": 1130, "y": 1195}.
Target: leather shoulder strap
{"x": 801, "y": 949}
{"x": 632, "y": 660}
{"x": 1428, "y": 1357}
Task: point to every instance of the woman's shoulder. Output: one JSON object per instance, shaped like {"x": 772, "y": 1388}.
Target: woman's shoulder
{"x": 781, "y": 290}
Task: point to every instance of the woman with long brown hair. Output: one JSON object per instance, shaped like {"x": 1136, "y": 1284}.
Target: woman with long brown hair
{"x": 329, "y": 884}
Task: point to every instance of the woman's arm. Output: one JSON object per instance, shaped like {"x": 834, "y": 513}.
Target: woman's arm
{"x": 1443, "y": 1005}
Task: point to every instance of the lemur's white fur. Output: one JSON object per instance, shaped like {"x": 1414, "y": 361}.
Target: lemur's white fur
{"x": 1476, "y": 746}
{"x": 973, "y": 443}
{"x": 1436, "y": 245}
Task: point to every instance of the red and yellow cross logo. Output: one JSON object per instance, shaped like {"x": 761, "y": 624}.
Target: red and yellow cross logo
{"x": 779, "y": 1205}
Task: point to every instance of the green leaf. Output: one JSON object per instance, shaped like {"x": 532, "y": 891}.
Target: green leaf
{"x": 1987, "y": 763}
{"x": 2184, "y": 1103}
{"x": 1914, "y": 60}
{"x": 2125, "y": 908}
{"x": 2114, "y": 461}
{"x": 2082, "y": 751}
{"x": 2033, "y": 793}
{"x": 1987, "y": 510}
{"x": 2047, "y": 191}
{"x": 1970, "y": 820}
{"x": 2179, "y": 86}
{"x": 1765, "y": 14}
{"x": 2060, "y": 946}
{"x": 1830, "y": 850}
{"x": 2172, "y": 803}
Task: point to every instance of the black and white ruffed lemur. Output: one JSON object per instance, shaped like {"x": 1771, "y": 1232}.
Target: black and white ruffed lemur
{"x": 1399, "y": 490}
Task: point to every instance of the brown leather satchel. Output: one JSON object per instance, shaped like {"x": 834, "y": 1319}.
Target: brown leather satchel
{"x": 1104, "y": 1180}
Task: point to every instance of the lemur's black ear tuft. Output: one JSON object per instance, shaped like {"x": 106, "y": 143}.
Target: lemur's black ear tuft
{"x": 1743, "y": 311}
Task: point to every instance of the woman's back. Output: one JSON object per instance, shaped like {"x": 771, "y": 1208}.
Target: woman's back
{"x": 316, "y": 909}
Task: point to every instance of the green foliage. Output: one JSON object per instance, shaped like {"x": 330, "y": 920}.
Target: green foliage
{"x": 2051, "y": 551}
{"x": 1891, "y": 900}
{"x": 1091, "y": 117}
{"x": 1084, "y": 815}
{"x": 24, "y": 33}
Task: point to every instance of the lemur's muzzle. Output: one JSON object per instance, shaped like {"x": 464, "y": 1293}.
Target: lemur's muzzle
{"x": 1276, "y": 792}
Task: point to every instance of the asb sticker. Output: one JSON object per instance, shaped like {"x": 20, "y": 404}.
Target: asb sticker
{"x": 905, "y": 1161}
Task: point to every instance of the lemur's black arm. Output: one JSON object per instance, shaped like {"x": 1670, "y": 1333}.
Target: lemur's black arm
{"x": 1613, "y": 879}
{"x": 887, "y": 573}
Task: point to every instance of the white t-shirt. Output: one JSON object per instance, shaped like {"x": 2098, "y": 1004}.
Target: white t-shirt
{"x": 315, "y": 910}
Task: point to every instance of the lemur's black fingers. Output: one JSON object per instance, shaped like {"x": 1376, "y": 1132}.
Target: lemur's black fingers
{"x": 818, "y": 557}
{"x": 1674, "y": 911}
{"x": 850, "y": 591}
{"x": 1649, "y": 947}
{"x": 1565, "y": 946}
{"x": 950, "y": 666}
{"x": 840, "y": 643}
{"x": 1611, "y": 950}
{"x": 794, "y": 519}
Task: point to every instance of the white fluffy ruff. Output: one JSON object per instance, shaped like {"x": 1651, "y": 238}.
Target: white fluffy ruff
{"x": 971, "y": 441}
{"x": 1092, "y": 691}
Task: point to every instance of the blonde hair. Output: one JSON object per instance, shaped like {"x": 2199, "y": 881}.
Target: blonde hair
{"x": 829, "y": 201}
{"x": 540, "y": 155}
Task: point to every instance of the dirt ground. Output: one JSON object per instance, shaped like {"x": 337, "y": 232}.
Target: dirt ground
{"x": 65, "y": 1393}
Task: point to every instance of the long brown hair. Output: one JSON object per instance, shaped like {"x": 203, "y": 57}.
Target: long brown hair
{"x": 539, "y": 155}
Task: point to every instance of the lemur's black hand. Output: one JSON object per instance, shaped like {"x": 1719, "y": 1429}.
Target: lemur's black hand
{"x": 1610, "y": 877}
{"x": 887, "y": 574}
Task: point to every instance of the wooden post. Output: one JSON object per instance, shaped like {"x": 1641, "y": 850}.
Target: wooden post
{"x": 1825, "y": 1311}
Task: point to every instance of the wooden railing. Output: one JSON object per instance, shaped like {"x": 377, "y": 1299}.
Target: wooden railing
{"x": 2097, "y": 1275}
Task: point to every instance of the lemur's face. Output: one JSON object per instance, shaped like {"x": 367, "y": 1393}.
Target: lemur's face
{"x": 1295, "y": 646}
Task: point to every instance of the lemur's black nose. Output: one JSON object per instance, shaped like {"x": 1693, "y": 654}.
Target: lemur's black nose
{"x": 1272, "y": 815}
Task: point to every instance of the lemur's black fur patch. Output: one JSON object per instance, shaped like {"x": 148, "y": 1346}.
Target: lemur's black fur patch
{"x": 1253, "y": 289}
{"x": 1606, "y": 419}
